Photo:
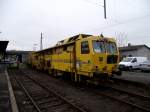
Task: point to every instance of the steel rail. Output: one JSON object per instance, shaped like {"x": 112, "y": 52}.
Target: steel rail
{"x": 140, "y": 84}
{"x": 127, "y": 92}
{"x": 63, "y": 98}
{"x": 119, "y": 100}
{"x": 125, "y": 102}
{"x": 27, "y": 93}
{"x": 122, "y": 101}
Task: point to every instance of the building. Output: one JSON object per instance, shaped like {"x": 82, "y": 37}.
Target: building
{"x": 3, "y": 46}
{"x": 12, "y": 55}
{"x": 135, "y": 50}
{"x": 21, "y": 56}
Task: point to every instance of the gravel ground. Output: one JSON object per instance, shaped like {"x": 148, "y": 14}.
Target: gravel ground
{"x": 78, "y": 95}
{"x": 142, "y": 77}
{"x": 21, "y": 98}
{"x": 83, "y": 98}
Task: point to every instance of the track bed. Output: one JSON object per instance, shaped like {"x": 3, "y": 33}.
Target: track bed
{"x": 87, "y": 98}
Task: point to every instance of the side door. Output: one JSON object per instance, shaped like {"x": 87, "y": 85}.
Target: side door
{"x": 134, "y": 63}
{"x": 83, "y": 56}
{"x": 71, "y": 57}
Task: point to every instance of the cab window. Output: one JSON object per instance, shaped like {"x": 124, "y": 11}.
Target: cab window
{"x": 98, "y": 47}
{"x": 111, "y": 47}
{"x": 134, "y": 60}
{"x": 85, "y": 47}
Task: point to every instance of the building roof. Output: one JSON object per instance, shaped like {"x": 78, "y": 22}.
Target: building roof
{"x": 132, "y": 47}
{"x": 12, "y": 52}
{"x": 3, "y": 46}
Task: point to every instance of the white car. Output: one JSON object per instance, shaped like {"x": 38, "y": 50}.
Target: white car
{"x": 131, "y": 62}
{"x": 145, "y": 66}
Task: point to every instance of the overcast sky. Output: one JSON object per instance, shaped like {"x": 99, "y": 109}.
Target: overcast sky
{"x": 22, "y": 21}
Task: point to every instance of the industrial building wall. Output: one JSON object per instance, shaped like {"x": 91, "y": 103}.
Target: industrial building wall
{"x": 144, "y": 52}
{"x": 128, "y": 53}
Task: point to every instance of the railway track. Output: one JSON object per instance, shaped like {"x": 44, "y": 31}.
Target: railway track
{"x": 135, "y": 83}
{"x": 41, "y": 99}
{"x": 134, "y": 100}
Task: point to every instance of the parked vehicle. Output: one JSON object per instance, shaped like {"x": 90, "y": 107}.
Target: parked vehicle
{"x": 130, "y": 63}
{"x": 145, "y": 66}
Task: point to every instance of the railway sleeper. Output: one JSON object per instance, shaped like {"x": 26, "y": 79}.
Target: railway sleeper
{"x": 29, "y": 107}
{"x": 54, "y": 106}
{"x": 63, "y": 110}
{"x": 41, "y": 102}
{"x": 37, "y": 94}
{"x": 48, "y": 101}
{"x": 35, "y": 89}
{"x": 60, "y": 107}
{"x": 41, "y": 97}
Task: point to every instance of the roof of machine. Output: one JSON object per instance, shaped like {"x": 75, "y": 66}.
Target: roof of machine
{"x": 65, "y": 42}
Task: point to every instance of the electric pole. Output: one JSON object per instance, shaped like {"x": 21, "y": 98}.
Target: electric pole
{"x": 41, "y": 44}
{"x": 34, "y": 47}
{"x": 105, "y": 9}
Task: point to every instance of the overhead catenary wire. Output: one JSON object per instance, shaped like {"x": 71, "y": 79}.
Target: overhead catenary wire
{"x": 104, "y": 6}
{"x": 115, "y": 20}
{"x": 123, "y": 22}
{"x": 94, "y": 3}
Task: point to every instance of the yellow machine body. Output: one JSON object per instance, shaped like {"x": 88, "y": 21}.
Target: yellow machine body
{"x": 81, "y": 55}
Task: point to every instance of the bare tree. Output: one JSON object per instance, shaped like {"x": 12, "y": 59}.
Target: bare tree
{"x": 121, "y": 39}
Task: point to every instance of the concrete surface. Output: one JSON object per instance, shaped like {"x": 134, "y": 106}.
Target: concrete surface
{"x": 5, "y": 105}
{"x": 137, "y": 76}
{"x": 7, "y": 98}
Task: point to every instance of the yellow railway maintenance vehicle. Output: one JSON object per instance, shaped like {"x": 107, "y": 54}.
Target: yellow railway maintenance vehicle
{"x": 81, "y": 57}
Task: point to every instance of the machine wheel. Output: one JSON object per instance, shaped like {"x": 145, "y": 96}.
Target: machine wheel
{"x": 130, "y": 68}
{"x": 119, "y": 73}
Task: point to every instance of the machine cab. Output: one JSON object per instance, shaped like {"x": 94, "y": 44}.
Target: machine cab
{"x": 96, "y": 54}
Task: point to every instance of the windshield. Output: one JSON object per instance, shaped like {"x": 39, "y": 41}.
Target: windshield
{"x": 102, "y": 47}
{"x": 127, "y": 59}
{"x": 111, "y": 48}
{"x": 98, "y": 47}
